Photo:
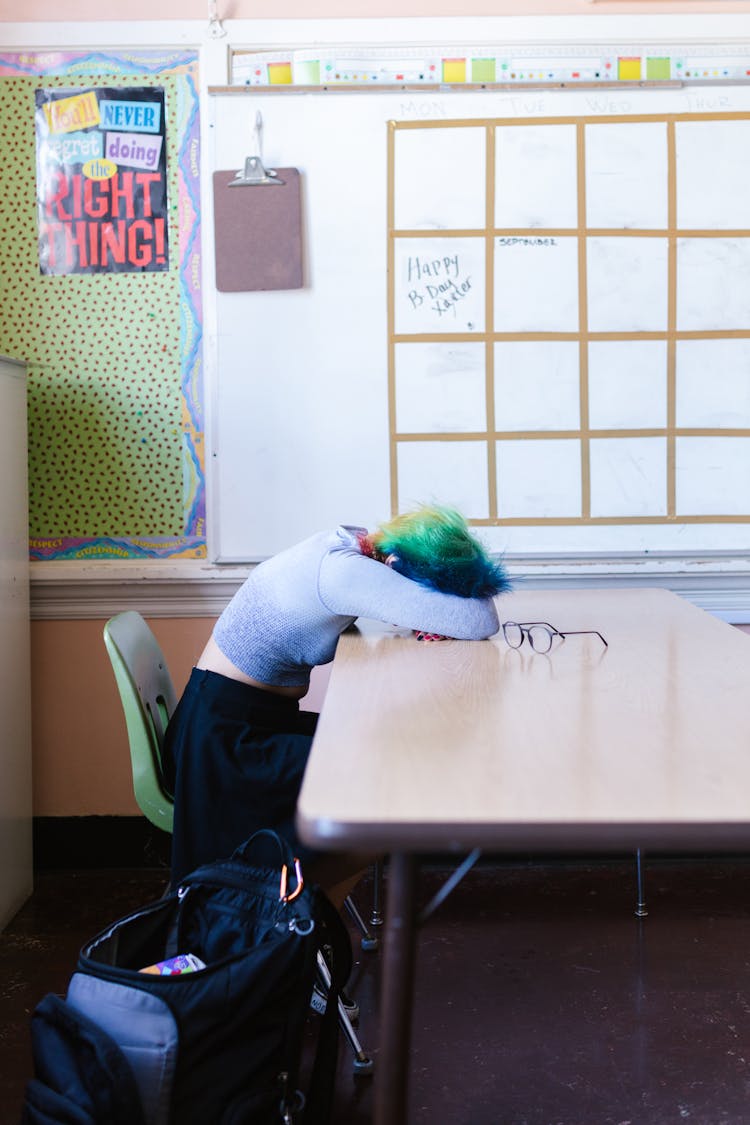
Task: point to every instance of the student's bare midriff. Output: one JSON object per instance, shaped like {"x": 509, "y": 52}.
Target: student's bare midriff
{"x": 212, "y": 659}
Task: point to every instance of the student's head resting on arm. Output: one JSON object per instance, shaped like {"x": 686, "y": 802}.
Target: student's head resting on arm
{"x": 237, "y": 744}
{"x": 433, "y": 545}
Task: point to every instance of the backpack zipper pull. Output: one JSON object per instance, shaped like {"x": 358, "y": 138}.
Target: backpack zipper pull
{"x": 302, "y": 926}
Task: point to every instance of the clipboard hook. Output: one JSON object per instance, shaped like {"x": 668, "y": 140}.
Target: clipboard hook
{"x": 215, "y": 29}
{"x": 254, "y": 172}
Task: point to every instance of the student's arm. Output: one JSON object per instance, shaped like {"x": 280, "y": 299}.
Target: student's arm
{"x": 353, "y": 585}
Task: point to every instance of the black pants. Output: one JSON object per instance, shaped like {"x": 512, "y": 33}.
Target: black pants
{"x": 234, "y": 756}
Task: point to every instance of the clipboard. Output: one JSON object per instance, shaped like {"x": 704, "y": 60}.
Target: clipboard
{"x": 257, "y": 228}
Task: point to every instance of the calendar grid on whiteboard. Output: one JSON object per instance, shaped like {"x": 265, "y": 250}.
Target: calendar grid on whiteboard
{"x": 622, "y": 292}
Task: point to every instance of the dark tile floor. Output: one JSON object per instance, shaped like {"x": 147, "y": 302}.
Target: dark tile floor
{"x": 540, "y": 998}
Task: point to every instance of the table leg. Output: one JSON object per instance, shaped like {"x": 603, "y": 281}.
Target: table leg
{"x": 392, "y": 1070}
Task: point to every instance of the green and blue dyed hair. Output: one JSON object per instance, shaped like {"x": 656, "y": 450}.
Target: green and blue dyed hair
{"x": 433, "y": 545}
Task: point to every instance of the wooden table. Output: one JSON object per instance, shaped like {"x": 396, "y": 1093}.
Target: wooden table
{"x": 459, "y": 744}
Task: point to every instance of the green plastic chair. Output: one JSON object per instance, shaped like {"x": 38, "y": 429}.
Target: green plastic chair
{"x": 148, "y": 699}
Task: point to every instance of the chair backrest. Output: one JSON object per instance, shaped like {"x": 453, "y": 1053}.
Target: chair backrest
{"x": 148, "y": 699}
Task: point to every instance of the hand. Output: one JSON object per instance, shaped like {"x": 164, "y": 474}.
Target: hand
{"x": 422, "y": 636}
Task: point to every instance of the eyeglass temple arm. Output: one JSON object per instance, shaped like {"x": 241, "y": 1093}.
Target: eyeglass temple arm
{"x": 585, "y": 632}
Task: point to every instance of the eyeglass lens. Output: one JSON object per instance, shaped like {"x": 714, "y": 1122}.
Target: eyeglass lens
{"x": 540, "y": 638}
{"x": 513, "y": 634}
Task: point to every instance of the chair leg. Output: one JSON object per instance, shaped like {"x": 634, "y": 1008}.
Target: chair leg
{"x": 376, "y": 914}
{"x": 640, "y": 905}
{"x": 362, "y": 1063}
{"x": 370, "y": 940}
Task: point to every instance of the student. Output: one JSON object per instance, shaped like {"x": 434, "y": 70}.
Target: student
{"x": 237, "y": 744}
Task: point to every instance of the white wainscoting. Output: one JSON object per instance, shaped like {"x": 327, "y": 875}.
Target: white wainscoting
{"x": 79, "y": 590}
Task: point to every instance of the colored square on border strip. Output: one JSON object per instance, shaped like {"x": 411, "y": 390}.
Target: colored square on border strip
{"x": 629, "y": 68}
{"x": 307, "y": 73}
{"x": 280, "y": 74}
{"x": 454, "y": 70}
{"x": 483, "y": 70}
{"x": 658, "y": 68}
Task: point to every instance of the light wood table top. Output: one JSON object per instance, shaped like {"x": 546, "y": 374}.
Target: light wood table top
{"x": 456, "y": 744}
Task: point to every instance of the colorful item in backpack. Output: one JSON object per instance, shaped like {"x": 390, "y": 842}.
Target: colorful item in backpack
{"x": 175, "y": 966}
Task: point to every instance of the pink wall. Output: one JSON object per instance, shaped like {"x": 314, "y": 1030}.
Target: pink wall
{"x": 93, "y": 10}
{"x": 80, "y": 757}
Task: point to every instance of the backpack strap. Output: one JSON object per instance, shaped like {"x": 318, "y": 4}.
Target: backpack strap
{"x": 280, "y": 847}
{"x": 335, "y": 936}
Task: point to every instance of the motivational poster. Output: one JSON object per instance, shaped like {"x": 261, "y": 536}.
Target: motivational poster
{"x": 101, "y": 180}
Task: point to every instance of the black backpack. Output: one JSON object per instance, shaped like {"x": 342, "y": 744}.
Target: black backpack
{"x": 218, "y": 1045}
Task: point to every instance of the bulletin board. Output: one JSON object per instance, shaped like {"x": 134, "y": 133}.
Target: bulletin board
{"x": 113, "y": 348}
{"x": 532, "y": 304}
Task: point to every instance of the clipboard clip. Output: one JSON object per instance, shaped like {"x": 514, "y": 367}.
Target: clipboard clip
{"x": 254, "y": 173}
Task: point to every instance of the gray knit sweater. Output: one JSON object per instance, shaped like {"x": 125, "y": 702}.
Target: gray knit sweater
{"x": 288, "y": 616}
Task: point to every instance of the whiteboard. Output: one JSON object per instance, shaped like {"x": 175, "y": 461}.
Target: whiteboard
{"x": 435, "y": 350}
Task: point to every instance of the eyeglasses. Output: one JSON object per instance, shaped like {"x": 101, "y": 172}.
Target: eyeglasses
{"x": 541, "y": 634}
